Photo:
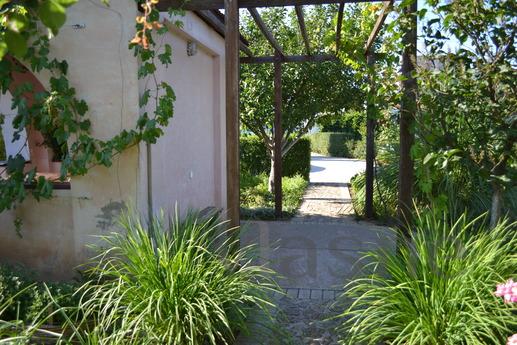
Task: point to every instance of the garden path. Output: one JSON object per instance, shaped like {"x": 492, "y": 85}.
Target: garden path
{"x": 327, "y": 198}
{"x": 315, "y": 253}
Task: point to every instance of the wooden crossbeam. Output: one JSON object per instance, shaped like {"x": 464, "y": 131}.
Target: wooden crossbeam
{"x": 290, "y": 58}
{"x": 193, "y": 5}
{"x": 339, "y": 25}
{"x": 303, "y": 30}
{"x": 214, "y": 21}
{"x": 265, "y": 31}
{"x": 378, "y": 25}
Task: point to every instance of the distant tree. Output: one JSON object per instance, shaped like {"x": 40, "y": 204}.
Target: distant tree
{"x": 309, "y": 90}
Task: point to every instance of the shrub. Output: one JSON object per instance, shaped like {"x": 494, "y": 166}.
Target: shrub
{"x": 174, "y": 282}
{"x": 258, "y": 203}
{"x": 29, "y": 297}
{"x": 385, "y": 193}
{"x": 438, "y": 289}
{"x": 255, "y": 159}
{"x": 333, "y": 144}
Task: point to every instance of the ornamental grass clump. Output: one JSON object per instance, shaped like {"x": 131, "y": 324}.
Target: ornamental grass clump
{"x": 438, "y": 289}
{"x": 174, "y": 282}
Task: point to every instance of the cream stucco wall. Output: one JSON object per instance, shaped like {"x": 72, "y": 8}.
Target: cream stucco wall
{"x": 188, "y": 161}
{"x": 103, "y": 71}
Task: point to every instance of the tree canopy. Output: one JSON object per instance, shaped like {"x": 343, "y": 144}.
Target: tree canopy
{"x": 310, "y": 91}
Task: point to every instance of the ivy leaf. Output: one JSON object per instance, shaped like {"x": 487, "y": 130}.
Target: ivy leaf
{"x": 17, "y": 22}
{"x": 3, "y": 49}
{"x": 15, "y": 164}
{"x": 16, "y": 43}
{"x": 52, "y": 14}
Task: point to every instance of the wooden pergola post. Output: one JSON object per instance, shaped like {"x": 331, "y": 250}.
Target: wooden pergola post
{"x": 278, "y": 134}
{"x": 232, "y": 40}
{"x": 370, "y": 139}
{"x": 407, "y": 118}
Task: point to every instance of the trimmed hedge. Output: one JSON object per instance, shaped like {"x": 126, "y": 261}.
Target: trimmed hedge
{"x": 337, "y": 144}
{"x": 255, "y": 159}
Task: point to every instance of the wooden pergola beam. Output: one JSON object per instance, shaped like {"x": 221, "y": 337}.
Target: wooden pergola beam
{"x": 303, "y": 30}
{"x": 339, "y": 25}
{"x": 378, "y": 25}
{"x": 265, "y": 31}
{"x": 214, "y": 21}
{"x": 290, "y": 58}
{"x": 232, "y": 110}
{"x": 278, "y": 135}
{"x": 371, "y": 115}
{"x": 194, "y": 5}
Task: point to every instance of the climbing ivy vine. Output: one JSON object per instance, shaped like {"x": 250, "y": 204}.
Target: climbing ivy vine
{"x": 58, "y": 113}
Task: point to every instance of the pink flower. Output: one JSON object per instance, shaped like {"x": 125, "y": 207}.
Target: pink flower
{"x": 508, "y": 291}
{"x": 512, "y": 340}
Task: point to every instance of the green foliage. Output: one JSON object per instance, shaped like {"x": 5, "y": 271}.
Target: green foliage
{"x": 334, "y": 144}
{"x": 173, "y": 282}
{"x": 255, "y": 160}
{"x": 310, "y": 91}
{"x": 29, "y": 297}
{"x": 441, "y": 179}
{"x": 385, "y": 193}
{"x": 258, "y": 203}
{"x": 438, "y": 289}
{"x": 468, "y": 96}
{"x": 58, "y": 113}
{"x": 17, "y": 19}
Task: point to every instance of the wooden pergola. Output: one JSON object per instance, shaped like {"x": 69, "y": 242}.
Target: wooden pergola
{"x": 208, "y": 10}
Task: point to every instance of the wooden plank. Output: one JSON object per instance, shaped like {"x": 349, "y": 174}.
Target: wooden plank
{"x": 339, "y": 25}
{"x": 290, "y": 58}
{"x": 232, "y": 109}
{"x": 407, "y": 118}
{"x": 371, "y": 115}
{"x": 378, "y": 25}
{"x": 303, "y": 30}
{"x": 217, "y": 24}
{"x": 193, "y": 5}
{"x": 278, "y": 135}
{"x": 265, "y": 31}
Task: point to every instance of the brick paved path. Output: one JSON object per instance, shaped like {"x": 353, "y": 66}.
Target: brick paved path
{"x": 325, "y": 202}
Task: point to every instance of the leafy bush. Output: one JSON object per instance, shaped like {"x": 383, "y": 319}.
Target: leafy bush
{"x": 443, "y": 181}
{"x": 174, "y": 282}
{"x": 333, "y": 144}
{"x": 257, "y": 202}
{"x": 28, "y": 296}
{"x": 439, "y": 288}
{"x": 255, "y": 159}
{"x": 385, "y": 193}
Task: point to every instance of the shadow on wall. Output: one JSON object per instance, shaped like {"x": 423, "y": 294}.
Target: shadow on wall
{"x": 109, "y": 215}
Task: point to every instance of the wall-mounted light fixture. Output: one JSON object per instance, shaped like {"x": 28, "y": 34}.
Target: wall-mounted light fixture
{"x": 191, "y": 48}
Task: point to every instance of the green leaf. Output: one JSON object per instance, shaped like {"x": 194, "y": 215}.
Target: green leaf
{"x": 15, "y": 164}
{"x": 3, "y": 49}
{"x": 428, "y": 157}
{"x": 16, "y": 43}
{"x": 53, "y": 14}
{"x": 17, "y": 22}
{"x": 66, "y": 3}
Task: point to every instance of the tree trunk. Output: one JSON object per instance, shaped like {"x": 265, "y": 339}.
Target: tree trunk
{"x": 497, "y": 201}
{"x": 271, "y": 181}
